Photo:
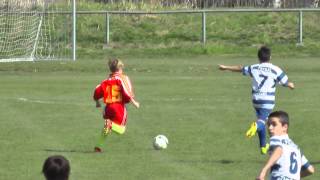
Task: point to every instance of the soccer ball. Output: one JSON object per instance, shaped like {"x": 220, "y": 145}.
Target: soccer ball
{"x": 160, "y": 142}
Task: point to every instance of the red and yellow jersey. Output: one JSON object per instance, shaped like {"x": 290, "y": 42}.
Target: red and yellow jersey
{"x": 116, "y": 89}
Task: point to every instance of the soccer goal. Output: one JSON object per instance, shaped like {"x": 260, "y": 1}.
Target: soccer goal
{"x": 32, "y": 30}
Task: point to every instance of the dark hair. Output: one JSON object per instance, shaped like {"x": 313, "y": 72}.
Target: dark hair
{"x": 264, "y": 54}
{"x": 283, "y": 117}
{"x": 56, "y": 168}
{"x": 115, "y": 64}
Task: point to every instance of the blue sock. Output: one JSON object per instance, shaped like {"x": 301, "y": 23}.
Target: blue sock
{"x": 261, "y": 132}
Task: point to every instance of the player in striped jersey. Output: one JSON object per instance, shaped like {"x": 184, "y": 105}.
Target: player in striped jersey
{"x": 116, "y": 91}
{"x": 286, "y": 160}
{"x": 265, "y": 76}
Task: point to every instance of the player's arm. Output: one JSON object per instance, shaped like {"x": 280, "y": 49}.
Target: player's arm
{"x": 290, "y": 85}
{"x": 283, "y": 79}
{"x": 98, "y": 103}
{"x": 276, "y": 154}
{"x": 135, "y": 103}
{"x": 98, "y": 94}
{"x": 128, "y": 91}
{"x": 237, "y": 68}
{"x": 308, "y": 171}
{"x": 306, "y": 168}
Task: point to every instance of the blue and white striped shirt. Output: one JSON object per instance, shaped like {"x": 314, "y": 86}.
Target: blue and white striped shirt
{"x": 265, "y": 77}
{"x": 291, "y": 161}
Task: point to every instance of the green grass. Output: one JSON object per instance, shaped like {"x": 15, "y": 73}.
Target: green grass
{"x": 46, "y": 109}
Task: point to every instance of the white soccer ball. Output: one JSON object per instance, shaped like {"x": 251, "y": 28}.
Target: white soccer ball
{"x": 160, "y": 142}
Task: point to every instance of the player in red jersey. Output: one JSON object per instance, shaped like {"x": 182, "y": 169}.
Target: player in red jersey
{"x": 116, "y": 91}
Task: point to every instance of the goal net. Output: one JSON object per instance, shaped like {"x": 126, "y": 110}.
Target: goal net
{"x": 33, "y": 30}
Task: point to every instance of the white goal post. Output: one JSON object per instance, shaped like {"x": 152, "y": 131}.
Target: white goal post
{"x": 32, "y": 30}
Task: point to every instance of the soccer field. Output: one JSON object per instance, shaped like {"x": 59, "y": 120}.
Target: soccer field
{"x": 46, "y": 109}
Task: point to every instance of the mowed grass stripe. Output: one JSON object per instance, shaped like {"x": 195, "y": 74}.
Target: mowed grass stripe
{"x": 203, "y": 112}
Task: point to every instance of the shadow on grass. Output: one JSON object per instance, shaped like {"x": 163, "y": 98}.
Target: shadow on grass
{"x": 315, "y": 162}
{"x": 69, "y": 151}
{"x": 222, "y": 161}
{"x": 227, "y": 161}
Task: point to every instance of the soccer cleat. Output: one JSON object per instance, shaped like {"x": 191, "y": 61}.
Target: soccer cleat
{"x": 252, "y": 130}
{"x": 97, "y": 149}
{"x": 265, "y": 149}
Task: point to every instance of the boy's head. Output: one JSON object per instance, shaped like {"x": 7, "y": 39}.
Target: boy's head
{"x": 278, "y": 123}
{"x": 115, "y": 65}
{"x": 264, "y": 54}
{"x": 56, "y": 167}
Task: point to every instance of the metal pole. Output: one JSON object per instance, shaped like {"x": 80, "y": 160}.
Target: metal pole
{"x": 107, "y": 28}
{"x": 300, "y": 28}
{"x": 74, "y": 19}
{"x": 203, "y": 28}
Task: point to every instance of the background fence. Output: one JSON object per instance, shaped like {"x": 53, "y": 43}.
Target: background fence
{"x": 224, "y": 3}
{"x": 112, "y": 16}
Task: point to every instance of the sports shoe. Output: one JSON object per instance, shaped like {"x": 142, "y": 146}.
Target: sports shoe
{"x": 97, "y": 149}
{"x": 265, "y": 149}
{"x": 252, "y": 130}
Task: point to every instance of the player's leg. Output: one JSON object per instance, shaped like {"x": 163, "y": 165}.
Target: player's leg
{"x": 106, "y": 130}
{"x": 115, "y": 121}
{"x": 259, "y": 127}
{"x": 262, "y": 115}
{"x": 119, "y": 122}
{"x": 259, "y": 124}
{"x": 108, "y": 114}
{"x": 118, "y": 128}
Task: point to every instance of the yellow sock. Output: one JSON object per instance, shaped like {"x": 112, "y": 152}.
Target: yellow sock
{"x": 118, "y": 128}
{"x": 103, "y": 136}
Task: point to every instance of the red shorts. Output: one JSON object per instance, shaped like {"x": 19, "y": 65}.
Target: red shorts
{"x": 116, "y": 112}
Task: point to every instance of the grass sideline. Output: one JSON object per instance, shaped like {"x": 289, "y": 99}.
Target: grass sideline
{"x": 46, "y": 109}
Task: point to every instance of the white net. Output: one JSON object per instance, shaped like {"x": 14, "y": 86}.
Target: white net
{"x": 35, "y": 30}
